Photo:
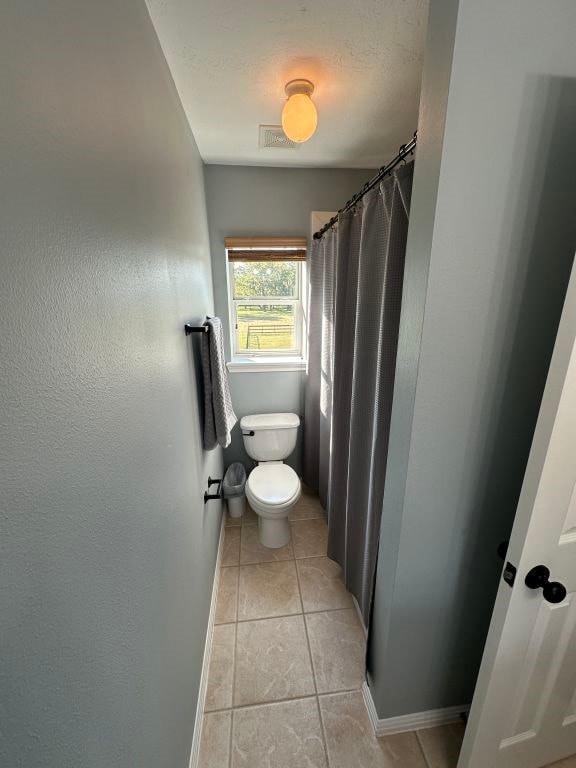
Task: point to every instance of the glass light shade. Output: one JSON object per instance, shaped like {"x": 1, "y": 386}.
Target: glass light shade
{"x": 299, "y": 117}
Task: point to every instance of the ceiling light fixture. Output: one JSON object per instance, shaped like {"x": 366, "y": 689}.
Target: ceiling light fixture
{"x": 299, "y": 116}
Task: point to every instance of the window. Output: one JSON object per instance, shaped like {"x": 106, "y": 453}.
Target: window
{"x": 265, "y": 280}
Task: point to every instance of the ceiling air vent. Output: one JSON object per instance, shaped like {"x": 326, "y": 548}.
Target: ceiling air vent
{"x": 273, "y": 137}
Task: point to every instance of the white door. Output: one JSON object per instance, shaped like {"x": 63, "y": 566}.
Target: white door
{"x": 524, "y": 709}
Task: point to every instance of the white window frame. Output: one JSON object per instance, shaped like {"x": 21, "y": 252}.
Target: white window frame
{"x": 297, "y": 302}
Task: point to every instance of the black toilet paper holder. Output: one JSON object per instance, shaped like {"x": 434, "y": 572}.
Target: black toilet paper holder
{"x": 218, "y": 495}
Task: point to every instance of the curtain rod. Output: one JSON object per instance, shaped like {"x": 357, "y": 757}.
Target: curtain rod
{"x": 405, "y": 149}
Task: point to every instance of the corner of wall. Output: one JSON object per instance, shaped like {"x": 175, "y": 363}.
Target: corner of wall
{"x": 431, "y": 123}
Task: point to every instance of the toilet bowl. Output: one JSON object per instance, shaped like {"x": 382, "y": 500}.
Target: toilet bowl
{"x": 273, "y": 488}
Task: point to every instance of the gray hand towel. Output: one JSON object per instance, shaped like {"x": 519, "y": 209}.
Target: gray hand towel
{"x": 219, "y": 416}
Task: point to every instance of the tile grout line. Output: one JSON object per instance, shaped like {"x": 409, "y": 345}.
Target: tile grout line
{"x": 323, "y": 732}
{"x": 258, "y": 562}
{"x": 231, "y": 737}
{"x": 322, "y": 729}
{"x": 309, "y": 647}
{"x": 422, "y": 750}
{"x": 240, "y": 707}
{"x": 237, "y": 621}
{"x": 295, "y": 520}
{"x": 283, "y": 560}
{"x": 230, "y": 565}
{"x": 285, "y": 615}
{"x": 269, "y": 702}
{"x": 235, "y": 624}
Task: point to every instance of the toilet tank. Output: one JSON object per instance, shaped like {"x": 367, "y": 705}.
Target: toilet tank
{"x": 270, "y": 436}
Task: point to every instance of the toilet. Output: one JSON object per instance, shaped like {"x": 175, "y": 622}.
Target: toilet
{"x": 273, "y": 488}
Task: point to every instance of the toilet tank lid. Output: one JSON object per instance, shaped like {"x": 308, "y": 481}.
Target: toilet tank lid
{"x": 270, "y": 421}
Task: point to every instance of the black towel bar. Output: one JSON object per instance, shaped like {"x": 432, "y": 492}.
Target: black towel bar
{"x": 188, "y": 329}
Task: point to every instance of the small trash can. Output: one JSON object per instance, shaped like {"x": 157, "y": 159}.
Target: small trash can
{"x": 233, "y": 487}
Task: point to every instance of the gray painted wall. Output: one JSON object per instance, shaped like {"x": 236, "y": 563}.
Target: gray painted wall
{"x": 261, "y": 392}
{"x": 433, "y": 105}
{"x": 500, "y": 250}
{"x": 106, "y": 549}
{"x": 254, "y": 201}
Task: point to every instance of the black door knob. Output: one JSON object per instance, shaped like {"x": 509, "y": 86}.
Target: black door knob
{"x": 554, "y": 592}
{"x": 539, "y": 577}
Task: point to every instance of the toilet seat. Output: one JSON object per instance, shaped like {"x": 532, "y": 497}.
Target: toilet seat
{"x": 272, "y": 487}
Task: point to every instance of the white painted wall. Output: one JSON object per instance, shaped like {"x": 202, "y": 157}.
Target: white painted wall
{"x": 500, "y": 250}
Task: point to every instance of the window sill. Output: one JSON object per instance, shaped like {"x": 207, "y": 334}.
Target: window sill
{"x": 265, "y": 364}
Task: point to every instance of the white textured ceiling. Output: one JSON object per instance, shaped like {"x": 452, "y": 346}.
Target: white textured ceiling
{"x": 230, "y": 60}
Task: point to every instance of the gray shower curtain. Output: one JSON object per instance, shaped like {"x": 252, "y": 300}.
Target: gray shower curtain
{"x": 355, "y": 291}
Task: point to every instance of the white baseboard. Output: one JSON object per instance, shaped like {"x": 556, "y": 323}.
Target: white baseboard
{"x": 195, "y": 751}
{"x": 412, "y": 722}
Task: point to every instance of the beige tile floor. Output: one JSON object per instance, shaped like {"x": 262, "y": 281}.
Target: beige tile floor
{"x": 287, "y": 663}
